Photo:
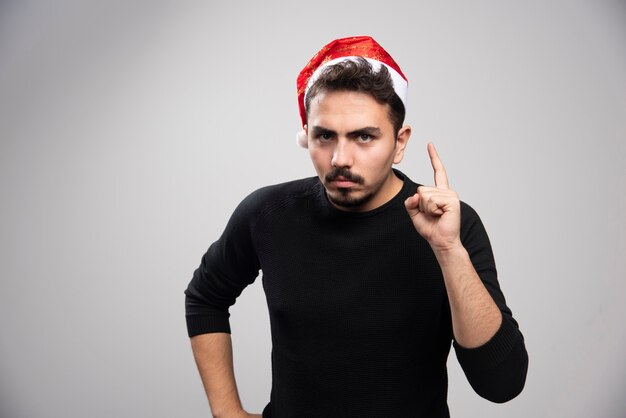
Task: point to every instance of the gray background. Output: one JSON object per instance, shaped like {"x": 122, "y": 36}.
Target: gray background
{"x": 130, "y": 130}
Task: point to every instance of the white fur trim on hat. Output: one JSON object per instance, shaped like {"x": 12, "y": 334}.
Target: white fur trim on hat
{"x": 302, "y": 139}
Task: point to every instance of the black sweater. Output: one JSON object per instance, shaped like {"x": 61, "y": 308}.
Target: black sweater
{"x": 360, "y": 319}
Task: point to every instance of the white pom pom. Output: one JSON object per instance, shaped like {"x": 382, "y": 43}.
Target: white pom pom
{"x": 302, "y": 140}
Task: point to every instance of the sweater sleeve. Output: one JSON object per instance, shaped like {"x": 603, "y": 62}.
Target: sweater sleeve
{"x": 229, "y": 265}
{"x": 497, "y": 369}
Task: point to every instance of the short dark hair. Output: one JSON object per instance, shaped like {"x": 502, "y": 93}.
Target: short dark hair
{"x": 359, "y": 75}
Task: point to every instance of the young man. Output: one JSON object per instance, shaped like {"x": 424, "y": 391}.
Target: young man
{"x": 368, "y": 276}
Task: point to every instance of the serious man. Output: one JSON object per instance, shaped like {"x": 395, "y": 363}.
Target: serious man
{"x": 369, "y": 277}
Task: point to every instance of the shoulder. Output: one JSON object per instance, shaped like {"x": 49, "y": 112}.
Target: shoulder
{"x": 279, "y": 195}
{"x": 472, "y": 228}
{"x": 468, "y": 213}
{"x": 266, "y": 203}
{"x": 283, "y": 191}
{"x": 290, "y": 188}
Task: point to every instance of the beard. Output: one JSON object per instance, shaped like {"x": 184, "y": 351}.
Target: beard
{"x": 344, "y": 197}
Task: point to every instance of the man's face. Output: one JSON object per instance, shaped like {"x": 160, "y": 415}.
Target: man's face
{"x": 352, "y": 145}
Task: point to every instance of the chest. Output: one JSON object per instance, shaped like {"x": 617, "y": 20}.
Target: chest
{"x": 365, "y": 278}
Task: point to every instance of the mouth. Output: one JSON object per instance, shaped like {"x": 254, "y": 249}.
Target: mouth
{"x": 342, "y": 178}
{"x": 342, "y": 182}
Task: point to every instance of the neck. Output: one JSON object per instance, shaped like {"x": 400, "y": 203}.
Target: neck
{"x": 390, "y": 188}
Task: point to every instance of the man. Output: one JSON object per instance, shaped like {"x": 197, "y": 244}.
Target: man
{"x": 368, "y": 276}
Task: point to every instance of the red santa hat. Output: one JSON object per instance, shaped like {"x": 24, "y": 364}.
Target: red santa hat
{"x": 346, "y": 49}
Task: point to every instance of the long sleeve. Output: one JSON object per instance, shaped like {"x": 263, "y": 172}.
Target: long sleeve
{"x": 496, "y": 370}
{"x": 229, "y": 265}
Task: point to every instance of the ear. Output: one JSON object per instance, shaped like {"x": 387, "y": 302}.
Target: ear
{"x": 302, "y": 137}
{"x": 401, "y": 142}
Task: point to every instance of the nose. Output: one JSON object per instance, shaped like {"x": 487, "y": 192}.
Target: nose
{"x": 342, "y": 154}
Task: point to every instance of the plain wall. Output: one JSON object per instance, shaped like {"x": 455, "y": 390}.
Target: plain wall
{"x": 129, "y": 131}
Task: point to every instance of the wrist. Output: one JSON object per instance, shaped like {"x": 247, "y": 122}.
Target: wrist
{"x": 451, "y": 254}
{"x": 230, "y": 413}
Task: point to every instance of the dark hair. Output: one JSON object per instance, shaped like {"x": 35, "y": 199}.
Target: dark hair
{"x": 359, "y": 75}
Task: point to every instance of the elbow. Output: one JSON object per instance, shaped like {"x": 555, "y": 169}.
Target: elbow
{"x": 502, "y": 396}
{"x": 506, "y": 384}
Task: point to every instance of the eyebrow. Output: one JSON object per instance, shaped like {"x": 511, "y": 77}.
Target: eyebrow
{"x": 368, "y": 130}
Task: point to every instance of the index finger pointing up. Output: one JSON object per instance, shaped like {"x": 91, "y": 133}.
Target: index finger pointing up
{"x": 441, "y": 178}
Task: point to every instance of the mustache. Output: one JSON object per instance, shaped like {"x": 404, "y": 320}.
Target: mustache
{"x": 345, "y": 173}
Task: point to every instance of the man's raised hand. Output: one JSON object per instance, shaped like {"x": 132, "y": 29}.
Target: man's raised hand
{"x": 436, "y": 211}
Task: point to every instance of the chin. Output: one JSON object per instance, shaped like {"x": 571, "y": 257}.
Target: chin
{"x": 348, "y": 200}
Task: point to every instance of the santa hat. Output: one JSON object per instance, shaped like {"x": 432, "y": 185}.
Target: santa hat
{"x": 347, "y": 49}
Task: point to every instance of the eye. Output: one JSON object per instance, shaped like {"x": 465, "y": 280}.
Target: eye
{"x": 364, "y": 138}
{"x": 325, "y": 136}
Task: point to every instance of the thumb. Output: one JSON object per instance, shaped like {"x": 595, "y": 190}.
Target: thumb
{"x": 412, "y": 205}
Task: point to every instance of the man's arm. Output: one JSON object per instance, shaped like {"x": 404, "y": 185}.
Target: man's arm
{"x": 436, "y": 215}
{"x": 229, "y": 265}
{"x": 489, "y": 345}
{"x": 475, "y": 316}
{"x": 214, "y": 357}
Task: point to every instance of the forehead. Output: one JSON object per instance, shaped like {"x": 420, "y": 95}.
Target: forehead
{"x": 347, "y": 108}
